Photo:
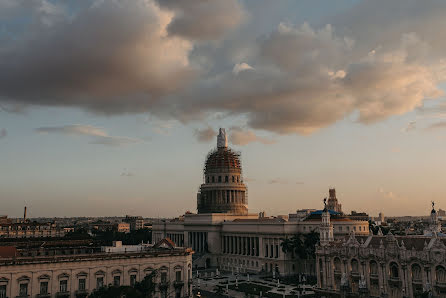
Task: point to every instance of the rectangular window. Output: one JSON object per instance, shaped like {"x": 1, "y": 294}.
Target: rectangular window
{"x": 99, "y": 282}
{"x": 271, "y": 253}
{"x": 132, "y": 280}
{"x": 23, "y": 290}
{"x": 63, "y": 286}
{"x": 277, "y": 251}
{"x": 178, "y": 275}
{"x": 82, "y": 284}
{"x": 43, "y": 288}
{"x": 163, "y": 277}
{"x": 3, "y": 291}
{"x": 266, "y": 250}
{"x": 117, "y": 281}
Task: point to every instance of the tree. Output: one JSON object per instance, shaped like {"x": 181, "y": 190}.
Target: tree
{"x": 144, "y": 289}
{"x": 301, "y": 245}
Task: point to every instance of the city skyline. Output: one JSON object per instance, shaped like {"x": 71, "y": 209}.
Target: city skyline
{"x": 118, "y": 119}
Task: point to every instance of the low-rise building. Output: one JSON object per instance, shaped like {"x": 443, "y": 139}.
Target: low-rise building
{"x": 136, "y": 222}
{"x": 78, "y": 270}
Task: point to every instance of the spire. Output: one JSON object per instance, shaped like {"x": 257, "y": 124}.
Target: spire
{"x": 222, "y": 140}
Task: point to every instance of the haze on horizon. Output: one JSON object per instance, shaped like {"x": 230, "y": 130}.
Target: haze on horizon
{"x": 110, "y": 107}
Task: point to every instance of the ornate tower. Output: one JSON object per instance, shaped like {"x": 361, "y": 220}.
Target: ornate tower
{"x": 223, "y": 190}
{"x": 326, "y": 227}
{"x": 332, "y": 203}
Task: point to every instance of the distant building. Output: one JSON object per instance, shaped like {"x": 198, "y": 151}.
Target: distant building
{"x": 359, "y": 215}
{"x": 136, "y": 222}
{"x": 27, "y": 229}
{"x": 123, "y": 227}
{"x": 332, "y": 203}
{"x": 77, "y": 271}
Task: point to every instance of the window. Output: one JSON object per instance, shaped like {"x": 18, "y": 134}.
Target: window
{"x": 213, "y": 179}
{"x": 178, "y": 275}
{"x": 132, "y": 280}
{"x": 82, "y": 284}
{"x": 348, "y": 228}
{"x": 233, "y": 179}
{"x": 208, "y": 179}
{"x": 23, "y": 290}
{"x": 257, "y": 263}
{"x": 340, "y": 228}
{"x": 117, "y": 281}
{"x": 63, "y": 286}
{"x": 163, "y": 277}
{"x": 277, "y": 251}
{"x": 43, "y": 288}
{"x": 99, "y": 282}
{"x": 226, "y": 179}
{"x": 238, "y": 179}
{"x": 354, "y": 228}
{"x": 266, "y": 250}
{"x": 2, "y": 291}
{"x": 219, "y": 179}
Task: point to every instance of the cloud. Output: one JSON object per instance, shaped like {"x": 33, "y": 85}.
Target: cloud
{"x": 98, "y": 135}
{"x": 205, "y": 135}
{"x": 376, "y": 60}
{"x": 3, "y": 133}
{"x": 241, "y": 67}
{"x": 438, "y": 125}
{"x": 203, "y": 20}
{"x": 126, "y": 173}
{"x": 239, "y": 136}
{"x": 108, "y": 57}
{"x": 412, "y": 125}
{"x": 277, "y": 181}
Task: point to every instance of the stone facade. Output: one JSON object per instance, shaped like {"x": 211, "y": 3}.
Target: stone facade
{"x": 76, "y": 275}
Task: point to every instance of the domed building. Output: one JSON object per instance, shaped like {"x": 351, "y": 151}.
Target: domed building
{"x": 223, "y": 190}
{"x": 224, "y": 235}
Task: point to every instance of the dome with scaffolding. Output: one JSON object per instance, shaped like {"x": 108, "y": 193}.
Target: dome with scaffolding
{"x": 223, "y": 190}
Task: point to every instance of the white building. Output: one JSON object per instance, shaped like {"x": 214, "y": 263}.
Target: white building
{"x": 223, "y": 234}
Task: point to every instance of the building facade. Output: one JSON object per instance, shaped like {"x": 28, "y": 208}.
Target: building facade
{"x": 82, "y": 270}
{"x": 383, "y": 266}
{"x": 223, "y": 234}
{"x": 26, "y": 229}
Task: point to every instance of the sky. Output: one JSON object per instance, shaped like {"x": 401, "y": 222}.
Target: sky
{"x": 109, "y": 107}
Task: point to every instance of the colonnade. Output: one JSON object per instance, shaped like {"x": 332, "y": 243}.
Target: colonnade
{"x": 198, "y": 241}
{"x": 177, "y": 238}
{"x": 225, "y": 196}
{"x": 239, "y": 245}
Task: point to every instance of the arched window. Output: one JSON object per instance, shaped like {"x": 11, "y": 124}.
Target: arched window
{"x": 394, "y": 271}
{"x": 440, "y": 274}
{"x": 416, "y": 272}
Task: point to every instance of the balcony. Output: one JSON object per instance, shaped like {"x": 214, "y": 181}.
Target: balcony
{"x": 42, "y": 295}
{"x": 373, "y": 275}
{"x": 337, "y": 272}
{"x": 63, "y": 294}
{"x": 417, "y": 281}
{"x": 440, "y": 284}
{"x": 395, "y": 281}
{"x": 355, "y": 275}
